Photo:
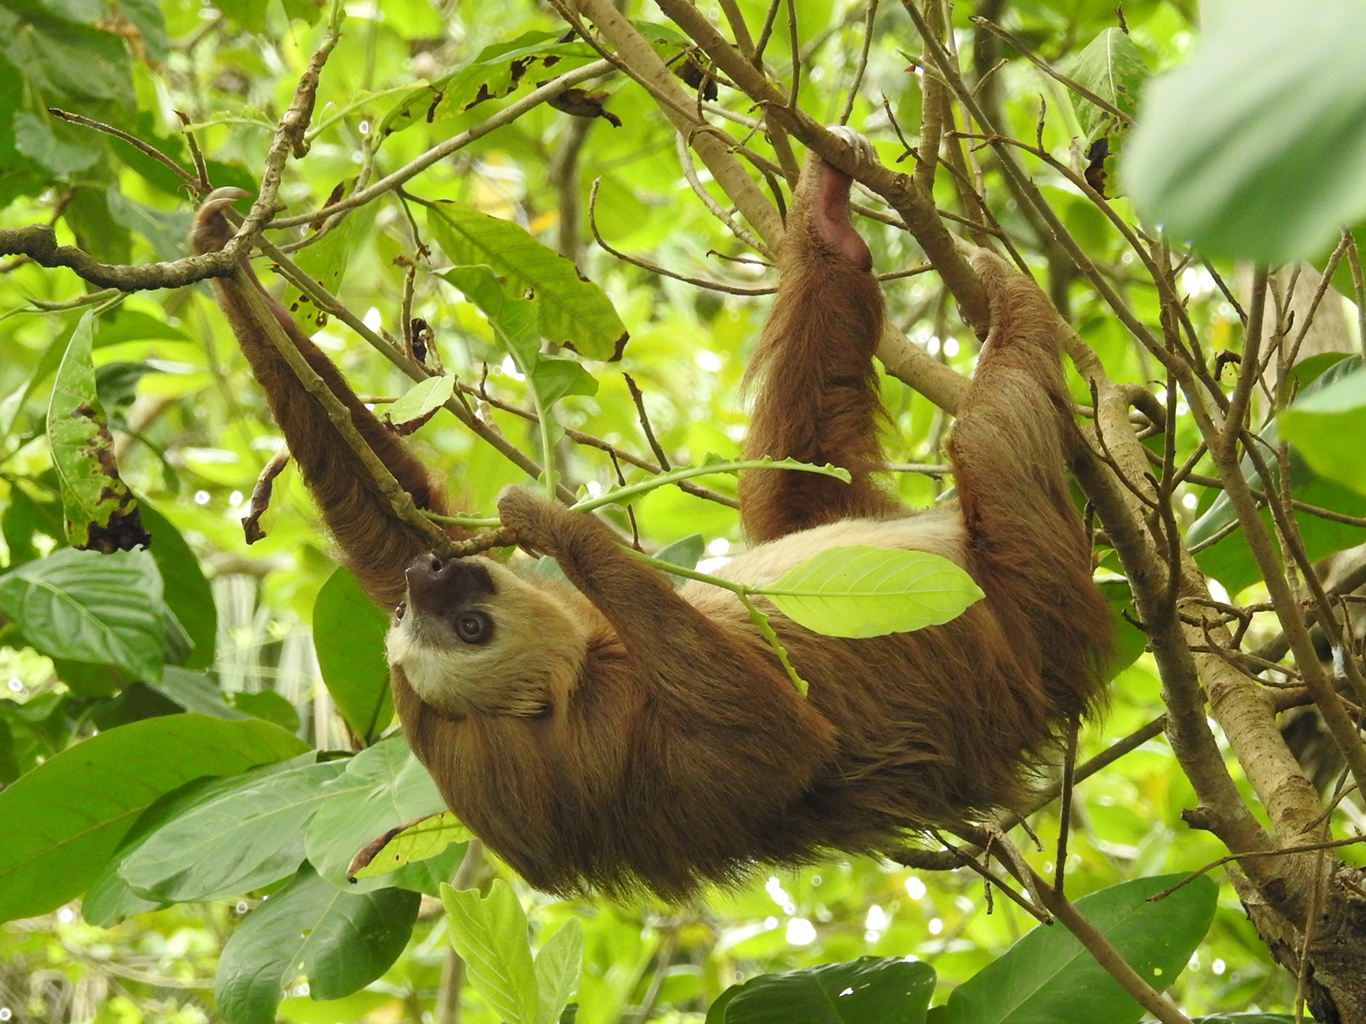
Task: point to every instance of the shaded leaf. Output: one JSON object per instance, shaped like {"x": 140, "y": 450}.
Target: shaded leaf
{"x": 1048, "y": 976}
{"x": 248, "y": 835}
{"x": 348, "y": 635}
{"x": 383, "y": 786}
{"x": 341, "y": 941}
{"x": 1112, "y": 67}
{"x": 1255, "y": 148}
{"x": 65, "y": 818}
{"x": 869, "y": 990}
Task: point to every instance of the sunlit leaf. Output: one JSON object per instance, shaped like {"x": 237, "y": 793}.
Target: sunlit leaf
{"x": 863, "y": 591}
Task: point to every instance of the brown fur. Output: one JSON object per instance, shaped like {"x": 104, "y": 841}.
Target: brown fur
{"x": 663, "y": 744}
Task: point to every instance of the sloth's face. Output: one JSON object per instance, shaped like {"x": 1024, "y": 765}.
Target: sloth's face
{"x": 474, "y": 637}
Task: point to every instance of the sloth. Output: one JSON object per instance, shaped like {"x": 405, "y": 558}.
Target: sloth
{"x": 614, "y": 733}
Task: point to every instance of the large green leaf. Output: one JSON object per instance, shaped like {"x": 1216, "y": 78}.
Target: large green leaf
{"x": 573, "y": 311}
{"x": 110, "y": 899}
{"x": 240, "y": 839}
{"x": 1048, "y": 976}
{"x": 88, "y": 607}
{"x": 341, "y": 941}
{"x": 864, "y": 591}
{"x": 1257, "y": 148}
{"x": 101, "y": 512}
{"x": 1328, "y": 425}
{"x": 382, "y": 788}
{"x": 64, "y": 818}
{"x": 490, "y": 932}
{"x": 869, "y": 990}
{"x": 348, "y": 635}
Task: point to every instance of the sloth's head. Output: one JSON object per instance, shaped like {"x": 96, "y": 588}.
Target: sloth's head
{"x": 474, "y": 637}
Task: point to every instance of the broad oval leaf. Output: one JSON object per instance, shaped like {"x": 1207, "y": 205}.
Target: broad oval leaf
{"x": 348, "y": 636}
{"x": 424, "y": 397}
{"x": 573, "y": 311}
{"x": 101, "y": 512}
{"x": 64, "y": 818}
{"x": 863, "y": 591}
{"x": 490, "y": 932}
{"x": 341, "y": 941}
{"x": 869, "y": 990}
{"x": 1048, "y": 976}
{"x": 382, "y": 787}
{"x": 1256, "y": 149}
{"x": 240, "y": 839}
{"x": 88, "y": 607}
{"x": 187, "y": 593}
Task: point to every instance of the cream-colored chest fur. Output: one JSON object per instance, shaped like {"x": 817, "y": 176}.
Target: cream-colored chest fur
{"x": 937, "y": 530}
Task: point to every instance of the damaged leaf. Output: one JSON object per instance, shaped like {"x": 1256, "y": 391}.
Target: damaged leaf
{"x": 100, "y": 511}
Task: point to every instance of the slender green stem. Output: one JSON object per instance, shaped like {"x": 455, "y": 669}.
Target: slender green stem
{"x": 617, "y": 494}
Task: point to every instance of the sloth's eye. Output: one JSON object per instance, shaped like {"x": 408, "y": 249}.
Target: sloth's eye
{"x": 474, "y": 627}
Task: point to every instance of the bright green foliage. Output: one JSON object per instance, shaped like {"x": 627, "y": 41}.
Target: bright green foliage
{"x": 418, "y": 841}
{"x": 862, "y": 591}
{"x": 1329, "y": 427}
{"x": 490, "y": 932}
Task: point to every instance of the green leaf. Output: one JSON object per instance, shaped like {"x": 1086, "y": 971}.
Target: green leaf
{"x": 1256, "y": 149}
{"x": 61, "y": 154}
{"x": 64, "y": 818}
{"x": 341, "y": 941}
{"x": 418, "y": 841}
{"x": 685, "y": 552}
{"x": 555, "y": 378}
{"x": 327, "y": 263}
{"x": 496, "y": 71}
{"x": 491, "y": 934}
{"x": 863, "y": 591}
{"x": 572, "y": 311}
{"x": 1112, "y": 68}
{"x": 100, "y": 510}
{"x": 195, "y": 692}
{"x": 869, "y": 990}
{"x": 110, "y": 899}
{"x": 422, "y": 398}
{"x": 348, "y": 635}
{"x": 186, "y": 591}
{"x": 557, "y": 967}
{"x": 1230, "y": 560}
{"x": 1048, "y": 976}
{"x": 84, "y": 606}
{"x": 382, "y": 788}
{"x": 240, "y": 839}
{"x": 1327, "y": 426}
